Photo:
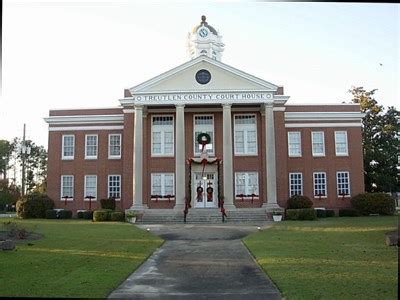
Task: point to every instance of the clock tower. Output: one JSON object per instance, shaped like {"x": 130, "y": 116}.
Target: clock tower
{"x": 205, "y": 40}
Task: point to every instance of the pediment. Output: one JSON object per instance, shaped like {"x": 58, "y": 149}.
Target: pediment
{"x": 223, "y": 78}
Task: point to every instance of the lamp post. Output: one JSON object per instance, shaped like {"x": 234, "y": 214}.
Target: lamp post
{"x": 25, "y": 150}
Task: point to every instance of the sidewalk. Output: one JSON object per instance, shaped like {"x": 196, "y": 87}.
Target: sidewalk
{"x": 199, "y": 262}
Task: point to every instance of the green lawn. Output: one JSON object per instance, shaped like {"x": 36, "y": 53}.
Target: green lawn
{"x": 332, "y": 258}
{"x": 75, "y": 258}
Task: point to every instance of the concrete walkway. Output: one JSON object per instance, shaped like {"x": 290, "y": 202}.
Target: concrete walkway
{"x": 199, "y": 262}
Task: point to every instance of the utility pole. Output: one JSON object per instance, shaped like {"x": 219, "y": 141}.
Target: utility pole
{"x": 23, "y": 152}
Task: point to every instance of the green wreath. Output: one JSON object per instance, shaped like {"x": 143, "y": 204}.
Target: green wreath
{"x": 203, "y": 138}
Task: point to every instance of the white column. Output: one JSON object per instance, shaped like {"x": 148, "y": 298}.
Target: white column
{"x": 270, "y": 158}
{"x": 138, "y": 159}
{"x": 227, "y": 156}
{"x": 180, "y": 157}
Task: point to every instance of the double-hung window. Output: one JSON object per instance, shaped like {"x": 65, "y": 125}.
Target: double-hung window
{"x": 114, "y": 186}
{"x": 245, "y": 135}
{"x": 162, "y": 136}
{"x": 295, "y": 184}
{"x": 68, "y": 146}
{"x": 343, "y": 183}
{"x": 318, "y": 143}
{"x": 162, "y": 185}
{"x": 67, "y": 187}
{"x": 246, "y": 184}
{"x": 204, "y": 124}
{"x": 341, "y": 145}
{"x": 319, "y": 179}
{"x": 294, "y": 143}
{"x": 91, "y": 146}
{"x": 90, "y": 187}
{"x": 114, "y": 146}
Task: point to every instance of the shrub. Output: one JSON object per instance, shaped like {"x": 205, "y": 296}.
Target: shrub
{"x": 34, "y": 205}
{"x": 321, "y": 213}
{"x": 301, "y": 214}
{"x": 88, "y": 215}
{"x": 374, "y": 203}
{"x": 118, "y": 216}
{"x": 101, "y": 215}
{"x": 65, "y": 214}
{"x": 330, "y": 213}
{"x": 108, "y": 203}
{"x": 79, "y": 214}
{"x": 299, "y": 201}
{"x": 348, "y": 212}
{"x": 51, "y": 214}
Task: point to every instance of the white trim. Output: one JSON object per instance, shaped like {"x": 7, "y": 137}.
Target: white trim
{"x": 234, "y": 135}
{"x": 62, "y": 147}
{"x": 120, "y": 186}
{"x": 120, "y": 146}
{"x": 322, "y": 125}
{"x": 326, "y": 186}
{"x": 246, "y": 183}
{"x": 128, "y": 110}
{"x": 85, "y": 119}
{"x": 212, "y": 154}
{"x": 84, "y": 188}
{"x": 288, "y": 143}
{"x": 173, "y": 137}
{"x": 324, "y": 116}
{"x": 323, "y": 144}
{"x": 62, "y": 188}
{"x": 302, "y": 183}
{"x": 348, "y": 183}
{"x": 162, "y": 182}
{"x": 347, "y": 143}
{"x": 97, "y": 146}
{"x": 279, "y": 108}
{"x": 75, "y": 128}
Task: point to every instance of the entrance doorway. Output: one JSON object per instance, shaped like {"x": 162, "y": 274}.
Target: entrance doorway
{"x": 205, "y": 199}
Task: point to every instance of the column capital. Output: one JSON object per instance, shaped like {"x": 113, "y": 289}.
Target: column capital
{"x": 226, "y": 105}
{"x": 269, "y": 104}
{"x": 139, "y": 107}
{"x": 180, "y": 105}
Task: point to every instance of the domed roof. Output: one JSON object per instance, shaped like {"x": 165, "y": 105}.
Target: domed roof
{"x": 205, "y": 24}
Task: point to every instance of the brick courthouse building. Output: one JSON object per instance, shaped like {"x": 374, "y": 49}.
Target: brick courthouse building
{"x": 261, "y": 149}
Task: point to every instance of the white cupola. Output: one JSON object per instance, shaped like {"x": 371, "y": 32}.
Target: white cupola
{"x": 205, "y": 40}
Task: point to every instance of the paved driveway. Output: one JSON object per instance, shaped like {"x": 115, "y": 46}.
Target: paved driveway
{"x": 199, "y": 262}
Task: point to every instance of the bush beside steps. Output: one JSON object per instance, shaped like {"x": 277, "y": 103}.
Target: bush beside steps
{"x": 108, "y": 215}
{"x": 58, "y": 214}
{"x": 301, "y": 214}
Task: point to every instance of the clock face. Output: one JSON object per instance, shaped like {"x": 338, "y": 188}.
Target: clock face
{"x": 203, "y": 76}
{"x": 203, "y": 32}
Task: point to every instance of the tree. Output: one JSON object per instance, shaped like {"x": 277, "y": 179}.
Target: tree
{"x": 6, "y": 150}
{"x": 380, "y": 134}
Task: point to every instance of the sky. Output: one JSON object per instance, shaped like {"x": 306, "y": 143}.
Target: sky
{"x": 79, "y": 54}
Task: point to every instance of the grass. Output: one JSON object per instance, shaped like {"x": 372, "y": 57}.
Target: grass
{"x": 332, "y": 258}
{"x": 75, "y": 258}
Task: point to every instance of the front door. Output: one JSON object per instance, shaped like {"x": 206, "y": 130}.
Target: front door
{"x": 204, "y": 190}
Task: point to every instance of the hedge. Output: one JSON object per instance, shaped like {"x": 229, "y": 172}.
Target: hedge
{"x": 65, "y": 214}
{"x": 348, "y": 212}
{"x": 51, "y": 214}
{"x": 108, "y": 203}
{"x": 321, "y": 213}
{"x": 118, "y": 216}
{"x": 88, "y": 215}
{"x": 374, "y": 203}
{"x": 301, "y": 214}
{"x": 102, "y": 215}
{"x": 299, "y": 201}
{"x": 34, "y": 205}
{"x": 330, "y": 213}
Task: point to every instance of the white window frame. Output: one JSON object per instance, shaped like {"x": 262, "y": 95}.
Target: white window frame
{"x": 290, "y": 184}
{"x": 323, "y": 143}
{"x": 203, "y": 128}
{"x": 97, "y": 146}
{"x": 325, "y": 185}
{"x": 163, "y": 193}
{"x": 336, "y": 144}
{"x": 162, "y": 154}
{"x": 288, "y": 139}
{"x": 120, "y": 186}
{"x": 247, "y": 188}
{"x": 245, "y": 153}
{"x": 63, "y": 157}
{"x": 85, "y": 186}
{"x": 62, "y": 188}
{"x": 348, "y": 183}
{"x": 109, "y": 146}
